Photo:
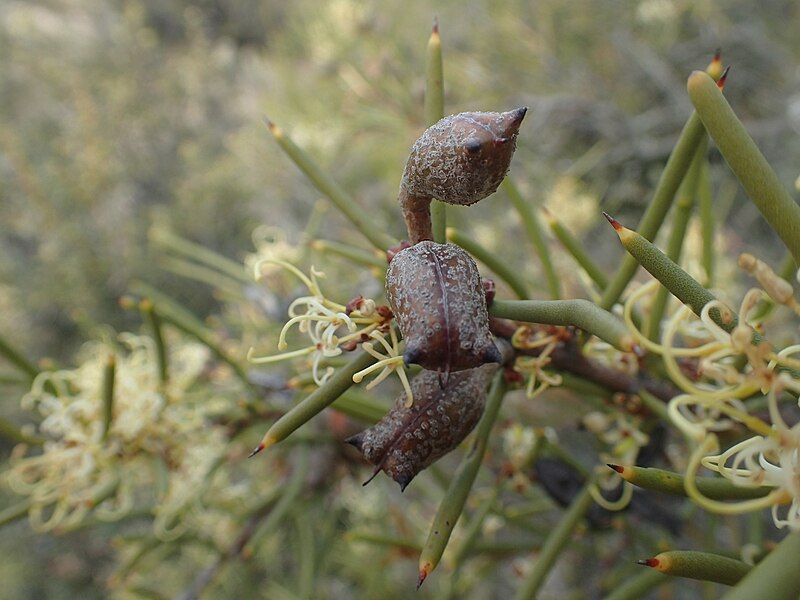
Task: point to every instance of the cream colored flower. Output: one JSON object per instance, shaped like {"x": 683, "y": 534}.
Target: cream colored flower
{"x": 80, "y": 469}
{"x": 713, "y": 400}
{"x": 533, "y": 367}
{"x": 331, "y": 326}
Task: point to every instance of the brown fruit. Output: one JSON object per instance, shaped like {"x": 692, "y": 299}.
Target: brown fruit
{"x": 459, "y": 160}
{"x": 407, "y": 440}
{"x": 437, "y": 297}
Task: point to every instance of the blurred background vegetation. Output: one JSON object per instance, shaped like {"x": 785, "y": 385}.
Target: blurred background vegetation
{"x": 118, "y": 117}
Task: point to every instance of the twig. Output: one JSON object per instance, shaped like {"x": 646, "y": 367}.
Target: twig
{"x": 568, "y": 357}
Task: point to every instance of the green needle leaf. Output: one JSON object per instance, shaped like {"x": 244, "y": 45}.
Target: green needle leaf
{"x": 680, "y": 222}
{"x": 456, "y": 495}
{"x": 332, "y": 190}
{"x": 434, "y": 111}
{"x": 495, "y": 263}
{"x": 667, "y": 482}
{"x": 682, "y": 285}
{"x": 554, "y": 544}
{"x": 316, "y": 402}
{"x": 674, "y": 172}
{"x": 704, "y": 566}
{"x": 109, "y": 373}
{"x": 534, "y": 230}
{"x": 776, "y": 577}
{"x": 746, "y": 161}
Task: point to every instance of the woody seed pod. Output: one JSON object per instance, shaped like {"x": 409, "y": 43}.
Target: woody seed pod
{"x": 407, "y": 440}
{"x": 436, "y": 295}
{"x": 459, "y": 160}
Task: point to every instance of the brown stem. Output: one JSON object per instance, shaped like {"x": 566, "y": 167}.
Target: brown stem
{"x": 417, "y": 215}
{"x": 568, "y": 357}
{"x": 205, "y": 577}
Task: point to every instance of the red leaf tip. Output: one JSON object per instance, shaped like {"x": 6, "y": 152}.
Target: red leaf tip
{"x": 648, "y": 562}
{"x": 617, "y": 468}
{"x": 723, "y": 77}
{"x": 421, "y": 579}
{"x": 614, "y": 223}
{"x": 424, "y": 571}
{"x": 256, "y": 450}
{"x": 273, "y": 128}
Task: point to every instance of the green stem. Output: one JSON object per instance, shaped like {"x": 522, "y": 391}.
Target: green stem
{"x": 524, "y": 512}
{"x": 14, "y": 513}
{"x": 704, "y": 566}
{"x": 276, "y": 516}
{"x": 332, "y": 190}
{"x": 108, "y": 394}
{"x": 439, "y": 221}
{"x": 154, "y": 321}
{"x": 674, "y": 172}
{"x": 312, "y": 228}
{"x": 788, "y": 269}
{"x": 105, "y": 491}
{"x": 776, "y": 577}
{"x": 755, "y": 529}
{"x": 554, "y": 544}
{"x": 746, "y": 161}
{"x": 203, "y": 274}
{"x": 474, "y": 527}
{"x": 14, "y": 434}
{"x": 680, "y": 222}
{"x": 305, "y": 555}
{"x": 148, "y": 545}
{"x": 585, "y": 387}
{"x": 355, "y": 254}
{"x": 382, "y": 539}
{"x": 654, "y": 405}
{"x": 359, "y": 407}
{"x": 434, "y": 111}
{"x": 576, "y": 249}
{"x": 316, "y": 402}
{"x": 163, "y": 236}
{"x": 454, "y": 499}
{"x": 553, "y": 448}
{"x": 167, "y": 305}
{"x": 637, "y": 587}
{"x": 716, "y": 488}
{"x": 497, "y": 265}
{"x": 17, "y": 359}
{"x": 708, "y": 221}
{"x": 578, "y": 313}
{"x": 534, "y": 230}
{"x": 176, "y": 315}
{"x": 13, "y": 378}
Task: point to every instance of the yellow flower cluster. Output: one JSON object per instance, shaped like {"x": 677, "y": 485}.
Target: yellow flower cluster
{"x": 333, "y": 327}
{"x": 533, "y": 367}
{"x": 157, "y": 438}
{"x": 732, "y": 369}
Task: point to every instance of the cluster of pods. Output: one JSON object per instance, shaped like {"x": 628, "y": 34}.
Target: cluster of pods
{"x": 437, "y": 296}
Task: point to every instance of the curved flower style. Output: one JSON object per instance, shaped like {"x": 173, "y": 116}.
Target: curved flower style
{"x": 715, "y": 400}
{"x": 533, "y": 367}
{"x": 624, "y": 438}
{"x": 334, "y": 328}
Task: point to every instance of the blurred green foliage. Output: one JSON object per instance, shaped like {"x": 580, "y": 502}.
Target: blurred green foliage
{"x": 117, "y": 115}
